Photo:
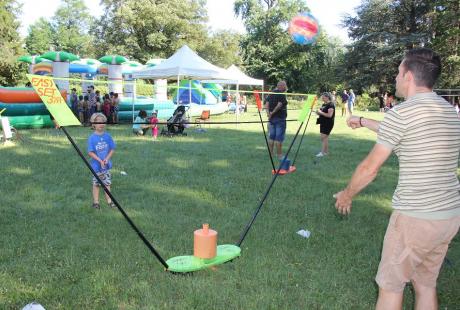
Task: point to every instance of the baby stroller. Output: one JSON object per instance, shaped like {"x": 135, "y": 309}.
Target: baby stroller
{"x": 176, "y": 123}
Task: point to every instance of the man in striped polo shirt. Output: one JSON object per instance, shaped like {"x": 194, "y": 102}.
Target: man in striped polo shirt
{"x": 424, "y": 132}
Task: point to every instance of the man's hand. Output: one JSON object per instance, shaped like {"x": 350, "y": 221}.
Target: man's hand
{"x": 343, "y": 202}
{"x": 353, "y": 122}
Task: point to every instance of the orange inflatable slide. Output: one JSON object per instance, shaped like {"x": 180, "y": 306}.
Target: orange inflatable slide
{"x": 21, "y": 95}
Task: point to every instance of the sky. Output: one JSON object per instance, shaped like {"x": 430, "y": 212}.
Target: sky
{"x": 220, "y": 12}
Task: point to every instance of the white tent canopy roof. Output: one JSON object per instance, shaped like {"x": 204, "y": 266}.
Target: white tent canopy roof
{"x": 185, "y": 63}
{"x": 238, "y": 77}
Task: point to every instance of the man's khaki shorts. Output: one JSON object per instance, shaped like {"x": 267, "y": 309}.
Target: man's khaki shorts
{"x": 414, "y": 250}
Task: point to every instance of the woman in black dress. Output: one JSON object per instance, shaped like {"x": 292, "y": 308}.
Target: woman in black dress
{"x": 326, "y": 122}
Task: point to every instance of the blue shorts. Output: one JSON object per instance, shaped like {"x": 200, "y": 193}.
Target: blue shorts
{"x": 350, "y": 107}
{"x": 277, "y": 129}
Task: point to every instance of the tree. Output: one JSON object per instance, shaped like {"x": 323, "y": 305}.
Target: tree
{"x": 71, "y": 24}
{"x": 446, "y": 41}
{"x": 269, "y": 53}
{"x": 40, "y": 38}
{"x": 11, "y": 71}
{"x": 383, "y": 30}
{"x": 142, "y": 29}
{"x": 221, "y": 49}
{"x": 68, "y": 30}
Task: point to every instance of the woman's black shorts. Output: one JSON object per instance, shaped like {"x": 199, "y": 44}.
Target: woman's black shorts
{"x": 326, "y": 128}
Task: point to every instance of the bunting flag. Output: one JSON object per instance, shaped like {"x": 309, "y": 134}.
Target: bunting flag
{"x": 258, "y": 101}
{"x": 52, "y": 98}
{"x": 309, "y": 104}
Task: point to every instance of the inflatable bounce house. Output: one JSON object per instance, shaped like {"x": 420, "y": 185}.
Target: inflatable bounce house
{"x": 25, "y": 109}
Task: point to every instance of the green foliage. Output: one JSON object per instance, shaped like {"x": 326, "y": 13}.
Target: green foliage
{"x": 68, "y": 30}
{"x": 71, "y": 24}
{"x": 40, "y": 38}
{"x": 364, "y": 102}
{"x": 383, "y": 30}
{"x": 143, "y": 29}
{"x": 11, "y": 71}
{"x": 269, "y": 53}
{"x": 221, "y": 49}
{"x": 140, "y": 30}
{"x": 142, "y": 88}
{"x": 446, "y": 41}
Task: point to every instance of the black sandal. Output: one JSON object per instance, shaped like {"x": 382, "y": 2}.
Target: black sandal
{"x": 96, "y": 206}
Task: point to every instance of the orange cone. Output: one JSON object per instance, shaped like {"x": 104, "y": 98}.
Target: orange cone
{"x": 205, "y": 242}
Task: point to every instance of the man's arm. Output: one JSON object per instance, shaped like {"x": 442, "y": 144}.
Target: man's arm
{"x": 364, "y": 174}
{"x": 276, "y": 109}
{"x": 359, "y": 121}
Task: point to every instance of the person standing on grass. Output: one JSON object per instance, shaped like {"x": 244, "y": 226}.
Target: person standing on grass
{"x": 115, "y": 108}
{"x": 276, "y": 107}
{"x": 424, "y": 132}
{"x": 326, "y": 122}
{"x": 333, "y": 96}
{"x": 74, "y": 101}
{"x": 100, "y": 148}
{"x": 344, "y": 98}
{"x": 154, "y": 123}
{"x": 107, "y": 108}
{"x": 91, "y": 101}
{"x": 81, "y": 110}
{"x": 381, "y": 102}
{"x": 86, "y": 109}
{"x": 351, "y": 101}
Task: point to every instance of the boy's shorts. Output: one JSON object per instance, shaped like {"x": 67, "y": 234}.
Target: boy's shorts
{"x": 414, "y": 249}
{"x": 277, "y": 129}
{"x": 105, "y": 177}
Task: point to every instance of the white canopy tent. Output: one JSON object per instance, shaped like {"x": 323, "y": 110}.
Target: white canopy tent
{"x": 238, "y": 77}
{"x": 185, "y": 63}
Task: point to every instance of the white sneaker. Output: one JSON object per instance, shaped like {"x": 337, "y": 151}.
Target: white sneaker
{"x": 321, "y": 154}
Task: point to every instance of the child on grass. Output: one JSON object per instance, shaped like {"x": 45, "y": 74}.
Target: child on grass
{"x": 100, "y": 148}
{"x": 81, "y": 110}
{"x": 153, "y": 122}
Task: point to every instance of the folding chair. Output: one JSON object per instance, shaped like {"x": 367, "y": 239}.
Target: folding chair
{"x": 205, "y": 115}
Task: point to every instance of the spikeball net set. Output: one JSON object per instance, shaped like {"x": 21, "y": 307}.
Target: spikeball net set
{"x": 304, "y": 29}
{"x": 206, "y": 251}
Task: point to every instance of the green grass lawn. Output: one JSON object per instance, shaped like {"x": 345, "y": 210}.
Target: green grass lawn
{"x": 57, "y": 250}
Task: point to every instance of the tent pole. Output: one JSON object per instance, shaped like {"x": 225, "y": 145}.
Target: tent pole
{"x": 178, "y": 89}
{"x": 132, "y": 97}
{"x": 237, "y": 104}
{"x": 189, "y": 91}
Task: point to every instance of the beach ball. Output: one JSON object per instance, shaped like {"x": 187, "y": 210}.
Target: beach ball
{"x": 304, "y": 29}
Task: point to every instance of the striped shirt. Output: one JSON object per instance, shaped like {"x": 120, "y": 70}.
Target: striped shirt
{"x": 424, "y": 132}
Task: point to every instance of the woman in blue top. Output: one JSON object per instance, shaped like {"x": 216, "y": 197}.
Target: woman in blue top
{"x": 100, "y": 148}
{"x": 140, "y": 125}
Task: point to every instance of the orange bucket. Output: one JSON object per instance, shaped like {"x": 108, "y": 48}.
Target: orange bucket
{"x": 205, "y": 242}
